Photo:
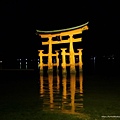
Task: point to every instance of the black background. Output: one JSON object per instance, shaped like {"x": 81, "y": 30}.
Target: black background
{"x": 20, "y": 19}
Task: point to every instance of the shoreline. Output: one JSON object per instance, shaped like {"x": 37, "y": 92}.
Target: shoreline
{"x": 16, "y": 69}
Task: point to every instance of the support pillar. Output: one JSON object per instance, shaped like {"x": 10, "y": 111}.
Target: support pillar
{"x": 50, "y": 65}
{"x": 41, "y": 60}
{"x": 72, "y": 57}
{"x": 57, "y": 60}
{"x": 80, "y": 60}
{"x": 63, "y": 60}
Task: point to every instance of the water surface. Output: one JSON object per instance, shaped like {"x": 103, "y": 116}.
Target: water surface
{"x": 26, "y": 95}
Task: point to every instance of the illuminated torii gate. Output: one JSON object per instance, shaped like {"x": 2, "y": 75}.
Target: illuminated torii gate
{"x": 64, "y": 32}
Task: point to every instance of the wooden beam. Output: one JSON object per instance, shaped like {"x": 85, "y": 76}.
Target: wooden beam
{"x": 62, "y": 41}
{"x": 72, "y": 32}
{"x": 44, "y": 55}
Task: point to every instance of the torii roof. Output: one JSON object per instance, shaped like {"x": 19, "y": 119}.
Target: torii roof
{"x": 61, "y": 30}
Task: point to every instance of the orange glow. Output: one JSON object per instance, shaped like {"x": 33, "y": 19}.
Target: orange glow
{"x": 63, "y": 60}
{"x": 71, "y": 53}
{"x": 81, "y": 83}
{"x": 58, "y": 82}
{"x": 80, "y": 59}
{"x": 64, "y": 87}
{"x": 41, "y": 85}
{"x": 57, "y": 59}
{"x": 72, "y": 95}
{"x": 72, "y": 89}
{"x": 50, "y": 81}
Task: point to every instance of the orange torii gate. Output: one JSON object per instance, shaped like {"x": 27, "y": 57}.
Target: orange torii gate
{"x": 64, "y": 32}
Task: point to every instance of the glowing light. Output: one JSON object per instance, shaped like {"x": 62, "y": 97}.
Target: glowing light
{"x": 63, "y": 32}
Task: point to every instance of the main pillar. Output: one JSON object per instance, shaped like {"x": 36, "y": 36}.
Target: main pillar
{"x": 50, "y": 66}
{"x": 72, "y": 57}
{"x": 57, "y": 60}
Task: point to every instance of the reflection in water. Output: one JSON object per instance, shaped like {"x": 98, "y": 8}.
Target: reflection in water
{"x": 81, "y": 84}
{"x": 20, "y": 65}
{"x": 41, "y": 86}
{"x": 26, "y": 66}
{"x": 50, "y": 82}
{"x": 23, "y": 64}
{"x": 65, "y": 95}
{"x": 64, "y": 81}
{"x": 72, "y": 88}
{"x": 58, "y": 83}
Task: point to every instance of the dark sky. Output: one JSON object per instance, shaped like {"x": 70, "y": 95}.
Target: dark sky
{"x": 19, "y": 20}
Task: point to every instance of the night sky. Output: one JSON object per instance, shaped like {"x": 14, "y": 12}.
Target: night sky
{"x": 19, "y": 20}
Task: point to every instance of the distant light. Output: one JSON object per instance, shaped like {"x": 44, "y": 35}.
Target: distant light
{"x": 20, "y": 62}
{"x": 26, "y": 62}
{"x": 25, "y": 59}
{"x": 0, "y": 61}
{"x": 20, "y": 59}
{"x": 20, "y": 66}
{"x": 108, "y": 58}
{"x": 38, "y": 59}
{"x": 26, "y": 66}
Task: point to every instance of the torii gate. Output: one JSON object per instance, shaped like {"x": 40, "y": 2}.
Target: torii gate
{"x": 63, "y": 32}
